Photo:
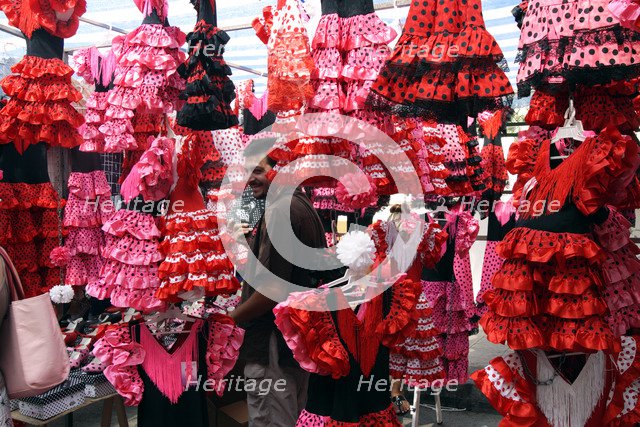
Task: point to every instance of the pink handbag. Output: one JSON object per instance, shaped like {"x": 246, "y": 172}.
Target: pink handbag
{"x": 33, "y": 357}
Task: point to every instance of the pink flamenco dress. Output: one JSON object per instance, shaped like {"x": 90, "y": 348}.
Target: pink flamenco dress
{"x": 525, "y": 388}
{"x": 146, "y": 80}
{"x": 416, "y": 361}
{"x": 88, "y": 207}
{"x": 195, "y": 261}
{"x": 148, "y": 373}
{"x": 129, "y": 276}
{"x": 449, "y": 291}
{"x": 551, "y": 292}
{"x": 209, "y": 90}
{"x": 41, "y": 93}
{"x": 96, "y": 69}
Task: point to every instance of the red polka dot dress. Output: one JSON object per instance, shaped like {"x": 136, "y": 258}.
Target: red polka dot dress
{"x": 40, "y": 90}
{"x": 551, "y": 290}
{"x": 445, "y": 65}
{"x": 29, "y": 217}
{"x": 146, "y": 78}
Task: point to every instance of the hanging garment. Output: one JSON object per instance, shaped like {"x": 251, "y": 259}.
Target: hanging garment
{"x": 549, "y": 291}
{"x": 445, "y": 65}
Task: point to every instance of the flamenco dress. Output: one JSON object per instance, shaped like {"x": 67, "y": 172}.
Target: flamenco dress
{"x": 493, "y": 161}
{"x": 603, "y": 393}
{"x": 418, "y": 359}
{"x": 195, "y": 261}
{"x": 342, "y": 348}
{"x": 445, "y": 65}
{"x": 96, "y": 69}
{"x": 148, "y": 373}
{"x": 40, "y": 89}
{"x": 550, "y": 292}
{"x": 146, "y": 79}
{"x": 571, "y": 43}
{"x": 256, "y": 116}
{"x": 209, "y": 91}
{"x": 129, "y": 275}
{"x": 290, "y": 64}
{"x": 29, "y": 224}
{"x": 449, "y": 291}
{"x": 88, "y": 207}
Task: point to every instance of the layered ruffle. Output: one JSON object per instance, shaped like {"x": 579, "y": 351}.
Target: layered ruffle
{"x": 122, "y": 355}
{"x": 40, "y": 106}
{"x": 223, "y": 349}
{"x": 45, "y": 14}
{"x": 129, "y": 275}
{"x": 591, "y": 47}
{"x": 194, "y": 257}
{"x": 386, "y": 418}
{"x": 29, "y": 231}
{"x": 209, "y": 91}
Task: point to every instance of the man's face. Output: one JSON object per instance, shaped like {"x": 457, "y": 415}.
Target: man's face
{"x": 258, "y": 179}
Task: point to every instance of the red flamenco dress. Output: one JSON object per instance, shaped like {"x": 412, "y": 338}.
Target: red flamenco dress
{"x": 290, "y": 64}
{"x": 550, "y": 292}
{"x": 40, "y": 90}
{"x": 29, "y": 224}
{"x": 129, "y": 276}
{"x": 196, "y": 263}
{"x": 445, "y": 65}
{"x": 417, "y": 361}
{"x": 146, "y": 80}
{"x": 96, "y": 69}
{"x": 343, "y": 348}
{"x": 209, "y": 90}
{"x": 526, "y": 388}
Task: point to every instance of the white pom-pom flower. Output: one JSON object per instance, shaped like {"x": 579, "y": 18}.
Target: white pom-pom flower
{"x": 61, "y": 294}
{"x": 356, "y": 250}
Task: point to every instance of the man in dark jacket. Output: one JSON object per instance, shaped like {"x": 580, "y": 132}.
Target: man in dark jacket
{"x": 264, "y": 350}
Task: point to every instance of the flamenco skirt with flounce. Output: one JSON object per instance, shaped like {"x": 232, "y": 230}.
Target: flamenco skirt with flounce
{"x": 129, "y": 275}
{"x": 589, "y": 47}
{"x": 596, "y": 107}
{"x": 418, "y": 358}
{"x": 195, "y": 258}
{"x": 94, "y": 117}
{"x": 40, "y": 107}
{"x": 209, "y": 91}
{"x": 549, "y": 294}
{"x": 413, "y": 82}
{"x": 29, "y": 231}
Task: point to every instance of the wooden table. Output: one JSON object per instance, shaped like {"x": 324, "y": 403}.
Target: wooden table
{"x": 108, "y": 402}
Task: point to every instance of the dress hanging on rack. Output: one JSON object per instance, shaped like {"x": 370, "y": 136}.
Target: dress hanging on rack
{"x": 146, "y": 78}
{"x": 96, "y": 69}
{"x": 209, "y": 90}
{"x": 558, "y": 302}
{"x": 449, "y": 291}
{"x": 30, "y": 227}
{"x": 149, "y": 376}
{"x": 40, "y": 90}
{"x": 445, "y": 65}
{"x": 195, "y": 263}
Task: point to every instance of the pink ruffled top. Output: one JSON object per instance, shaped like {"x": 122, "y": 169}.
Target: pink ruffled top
{"x": 152, "y": 176}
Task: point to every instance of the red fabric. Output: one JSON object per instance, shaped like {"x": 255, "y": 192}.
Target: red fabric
{"x": 28, "y": 15}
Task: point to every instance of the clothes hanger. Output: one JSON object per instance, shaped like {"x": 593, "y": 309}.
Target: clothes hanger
{"x": 572, "y": 129}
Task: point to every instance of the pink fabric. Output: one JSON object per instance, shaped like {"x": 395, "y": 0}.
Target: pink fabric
{"x": 152, "y": 176}
{"x": 626, "y": 11}
{"x": 491, "y": 264}
{"x": 258, "y": 106}
{"x": 137, "y": 224}
{"x": 223, "y": 349}
{"x": 122, "y": 355}
{"x": 503, "y": 211}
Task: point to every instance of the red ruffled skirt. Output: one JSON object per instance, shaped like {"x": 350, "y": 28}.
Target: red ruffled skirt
{"x": 40, "y": 106}
{"x": 548, "y": 294}
{"x": 195, "y": 258}
{"x": 29, "y": 231}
